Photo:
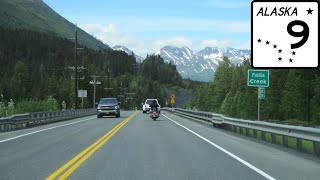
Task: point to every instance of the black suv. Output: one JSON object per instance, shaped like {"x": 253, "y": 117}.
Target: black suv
{"x": 108, "y": 106}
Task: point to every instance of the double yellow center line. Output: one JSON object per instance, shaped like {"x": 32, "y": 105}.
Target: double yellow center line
{"x": 85, "y": 154}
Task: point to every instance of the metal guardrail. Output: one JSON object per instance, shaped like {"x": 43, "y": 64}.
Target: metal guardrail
{"x": 300, "y": 138}
{"x": 20, "y": 121}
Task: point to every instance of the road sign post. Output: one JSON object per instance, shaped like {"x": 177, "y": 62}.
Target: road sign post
{"x": 262, "y": 93}
{"x": 260, "y": 79}
{"x": 258, "y": 108}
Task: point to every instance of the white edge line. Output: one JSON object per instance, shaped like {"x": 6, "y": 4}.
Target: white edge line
{"x": 34, "y": 132}
{"x": 225, "y": 151}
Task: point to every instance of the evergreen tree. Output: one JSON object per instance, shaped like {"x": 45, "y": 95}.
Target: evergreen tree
{"x": 18, "y": 83}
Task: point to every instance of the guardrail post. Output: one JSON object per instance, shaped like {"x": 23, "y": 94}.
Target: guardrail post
{"x": 285, "y": 141}
{"x": 229, "y": 127}
{"x": 263, "y": 135}
{"x": 299, "y": 144}
{"x": 255, "y": 133}
{"x": 316, "y": 148}
{"x": 240, "y": 130}
{"x": 248, "y": 132}
{"x": 234, "y": 128}
{"x": 273, "y": 138}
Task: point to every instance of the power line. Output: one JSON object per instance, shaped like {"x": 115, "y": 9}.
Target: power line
{"x": 80, "y": 69}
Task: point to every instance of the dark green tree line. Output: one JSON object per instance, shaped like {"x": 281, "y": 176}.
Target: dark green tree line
{"x": 35, "y": 66}
{"x": 293, "y": 95}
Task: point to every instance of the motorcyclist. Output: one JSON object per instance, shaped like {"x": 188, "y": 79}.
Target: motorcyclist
{"x": 154, "y": 106}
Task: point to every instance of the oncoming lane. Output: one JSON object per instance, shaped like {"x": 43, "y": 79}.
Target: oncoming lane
{"x": 46, "y": 148}
{"x": 75, "y": 162}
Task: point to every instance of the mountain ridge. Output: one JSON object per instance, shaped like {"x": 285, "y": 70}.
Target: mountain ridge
{"x": 139, "y": 59}
{"x": 199, "y": 66}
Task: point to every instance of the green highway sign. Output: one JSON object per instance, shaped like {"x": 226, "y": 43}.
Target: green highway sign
{"x": 262, "y": 93}
{"x": 258, "y": 78}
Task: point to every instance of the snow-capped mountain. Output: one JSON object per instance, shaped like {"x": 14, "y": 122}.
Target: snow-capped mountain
{"x": 198, "y": 66}
{"x": 139, "y": 59}
{"x": 202, "y": 65}
{"x": 235, "y": 56}
{"x": 189, "y": 65}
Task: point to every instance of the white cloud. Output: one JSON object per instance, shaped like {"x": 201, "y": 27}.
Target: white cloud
{"x": 135, "y": 24}
{"x": 190, "y": 24}
{"x": 111, "y": 35}
{"x": 107, "y": 33}
{"x": 99, "y": 28}
{"x": 244, "y": 45}
{"x": 176, "y": 41}
{"x": 215, "y": 43}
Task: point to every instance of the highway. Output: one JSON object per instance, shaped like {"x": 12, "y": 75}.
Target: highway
{"x": 135, "y": 147}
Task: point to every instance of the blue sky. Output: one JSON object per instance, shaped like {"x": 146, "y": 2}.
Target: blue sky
{"x": 145, "y": 26}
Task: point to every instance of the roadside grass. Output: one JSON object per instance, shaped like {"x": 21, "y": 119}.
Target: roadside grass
{"x": 48, "y": 104}
{"x": 307, "y": 146}
{"x": 279, "y": 139}
{"x": 268, "y": 137}
{"x": 244, "y": 132}
{"x": 237, "y": 130}
{"x": 292, "y": 142}
{"x": 251, "y": 133}
{"x": 259, "y": 134}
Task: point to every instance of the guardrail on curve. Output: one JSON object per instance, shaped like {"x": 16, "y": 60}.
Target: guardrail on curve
{"x": 288, "y": 135}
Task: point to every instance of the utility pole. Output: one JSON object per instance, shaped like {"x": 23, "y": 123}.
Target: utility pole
{"x": 76, "y": 83}
{"x": 76, "y": 70}
{"x": 108, "y": 80}
{"x": 108, "y": 77}
{"x": 128, "y": 96}
{"x": 94, "y": 82}
{"x": 120, "y": 92}
{"x": 81, "y": 78}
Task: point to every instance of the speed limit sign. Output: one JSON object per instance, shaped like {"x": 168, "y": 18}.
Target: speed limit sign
{"x": 285, "y": 34}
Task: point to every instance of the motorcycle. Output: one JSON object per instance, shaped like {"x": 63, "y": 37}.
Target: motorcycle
{"x": 154, "y": 114}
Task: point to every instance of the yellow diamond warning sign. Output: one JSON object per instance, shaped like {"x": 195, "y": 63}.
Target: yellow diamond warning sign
{"x": 172, "y": 98}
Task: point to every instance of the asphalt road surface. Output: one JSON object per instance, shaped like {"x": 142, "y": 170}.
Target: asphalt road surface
{"x": 135, "y": 147}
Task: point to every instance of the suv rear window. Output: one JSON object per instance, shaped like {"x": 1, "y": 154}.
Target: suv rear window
{"x": 108, "y": 101}
{"x": 149, "y": 101}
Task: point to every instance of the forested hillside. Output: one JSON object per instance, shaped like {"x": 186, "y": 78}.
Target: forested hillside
{"x": 293, "y": 95}
{"x": 34, "y": 67}
{"x": 36, "y": 15}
